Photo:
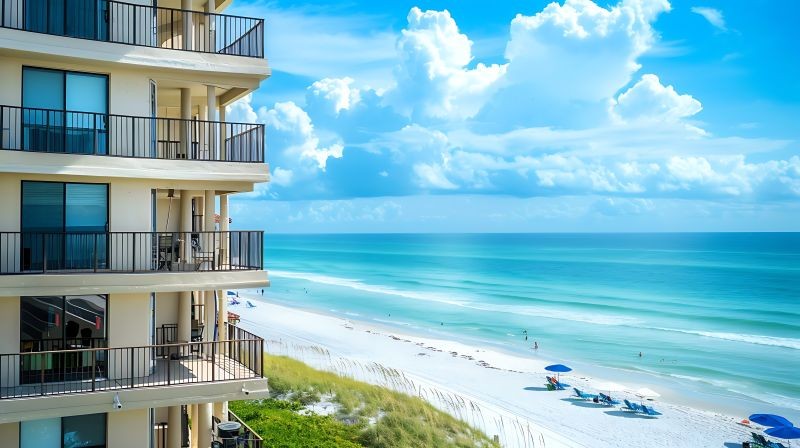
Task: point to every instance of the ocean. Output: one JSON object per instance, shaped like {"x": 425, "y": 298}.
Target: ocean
{"x": 715, "y": 315}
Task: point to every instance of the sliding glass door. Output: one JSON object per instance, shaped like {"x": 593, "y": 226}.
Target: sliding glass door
{"x": 62, "y": 323}
{"x": 64, "y": 112}
{"x": 64, "y": 226}
{"x": 87, "y": 19}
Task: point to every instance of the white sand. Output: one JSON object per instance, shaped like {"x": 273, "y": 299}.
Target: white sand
{"x": 499, "y": 393}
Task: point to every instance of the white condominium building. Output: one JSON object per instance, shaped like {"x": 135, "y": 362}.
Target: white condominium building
{"x": 116, "y": 254}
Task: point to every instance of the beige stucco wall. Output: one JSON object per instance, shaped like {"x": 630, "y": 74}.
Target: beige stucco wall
{"x": 129, "y": 326}
{"x": 9, "y": 340}
{"x": 166, "y": 308}
{"x": 129, "y": 429}
{"x": 9, "y": 434}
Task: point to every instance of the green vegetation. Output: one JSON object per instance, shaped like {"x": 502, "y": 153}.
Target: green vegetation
{"x": 367, "y": 416}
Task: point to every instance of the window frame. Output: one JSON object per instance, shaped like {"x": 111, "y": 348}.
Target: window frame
{"x": 61, "y": 425}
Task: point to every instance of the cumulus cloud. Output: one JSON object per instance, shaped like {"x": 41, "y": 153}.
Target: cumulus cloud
{"x": 579, "y": 50}
{"x": 303, "y": 142}
{"x": 432, "y": 78}
{"x": 333, "y": 94}
{"x": 649, "y": 100}
{"x": 712, "y": 15}
{"x": 449, "y": 125}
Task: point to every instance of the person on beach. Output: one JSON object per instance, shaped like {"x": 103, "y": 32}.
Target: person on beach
{"x": 535, "y": 345}
{"x": 640, "y": 354}
{"x": 525, "y": 332}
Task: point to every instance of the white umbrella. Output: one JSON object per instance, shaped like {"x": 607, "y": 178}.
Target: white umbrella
{"x": 647, "y": 394}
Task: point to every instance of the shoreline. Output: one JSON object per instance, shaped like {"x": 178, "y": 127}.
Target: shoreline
{"x": 682, "y": 391}
{"x": 504, "y": 382}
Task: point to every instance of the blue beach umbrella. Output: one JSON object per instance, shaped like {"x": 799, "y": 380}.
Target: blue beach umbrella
{"x": 558, "y": 368}
{"x": 770, "y": 420}
{"x": 784, "y": 432}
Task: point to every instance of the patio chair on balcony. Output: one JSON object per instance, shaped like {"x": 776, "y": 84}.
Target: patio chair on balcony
{"x": 168, "y": 248}
{"x": 200, "y": 256}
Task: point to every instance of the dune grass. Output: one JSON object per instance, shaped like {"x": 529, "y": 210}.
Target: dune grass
{"x": 367, "y": 416}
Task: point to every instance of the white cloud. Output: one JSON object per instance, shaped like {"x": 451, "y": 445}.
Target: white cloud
{"x": 281, "y": 177}
{"x": 712, "y": 15}
{"x": 431, "y": 176}
{"x": 333, "y": 94}
{"x": 579, "y": 50}
{"x": 432, "y": 78}
{"x": 302, "y": 140}
{"x": 634, "y": 142}
{"x": 241, "y": 111}
{"x": 649, "y": 100}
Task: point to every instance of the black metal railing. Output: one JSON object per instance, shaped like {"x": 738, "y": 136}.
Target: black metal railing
{"x": 63, "y": 372}
{"x": 135, "y": 252}
{"x": 69, "y": 132}
{"x": 141, "y": 25}
{"x": 244, "y": 437}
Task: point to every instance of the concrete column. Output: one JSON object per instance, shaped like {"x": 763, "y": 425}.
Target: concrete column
{"x": 188, "y": 25}
{"x": 185, "y": 316}
{"x": 186, "y": 225}
{"x": 174, "y": 427}
{"x": 185, "y": 130}
{"x": 202, "y": 135}
{"x": 223, "y": 134}
{"x": 224, "y": 227}
{"x": 204, "y": 425}
{"x": 195, "y": 434}
{"x": 210, "y": 315}
{"x": 221, "y": 410}
{"x": 211, "y": 99}
{"x": 210, "y": 28}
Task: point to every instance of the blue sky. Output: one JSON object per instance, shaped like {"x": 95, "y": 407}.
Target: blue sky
{"x": 466, "y": 116}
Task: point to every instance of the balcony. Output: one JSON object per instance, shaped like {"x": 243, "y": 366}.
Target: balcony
{"x": 88, "y": 133}
{"x": 83, "y": 370}
{"x": 130, "y": 252}
{"x": 140, "y": 25}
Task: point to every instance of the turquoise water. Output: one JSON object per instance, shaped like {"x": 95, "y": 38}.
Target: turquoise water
{"x": 721, "y": 311}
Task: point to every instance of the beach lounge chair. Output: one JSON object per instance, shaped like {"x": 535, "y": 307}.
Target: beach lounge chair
{"x": 550, "y": 386}
{"x": 250, "y": 304}
{"x": 760, "y": 441}
{"x": 583, "y": 395}
{"x": 607, "y": 400}
{"x": 558, "y": 385}
{"x": 649, "y": 411}
{"x": 632, "y": 406}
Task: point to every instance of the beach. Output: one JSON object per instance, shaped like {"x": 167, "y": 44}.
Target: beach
{"x": 502, "y": 393}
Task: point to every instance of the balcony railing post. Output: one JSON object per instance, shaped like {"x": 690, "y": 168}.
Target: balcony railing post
{"x": 131, "y": 362}
{"x": 134, "y": 248}
{"x": 94, "y": 369}
{"x": 169, "y": 367}
{"x": 95, "y": 252}
{"x": 213, "y": 357}
{"x": 41, "y": 372}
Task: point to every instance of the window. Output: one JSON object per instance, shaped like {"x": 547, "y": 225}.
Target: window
{"x": 64, "y": 111}
{"x": 85, "y": 431}
{"x": 64, "y": 225}
{"x": 54, "y": 323}
{"x": 87, "y": 19}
